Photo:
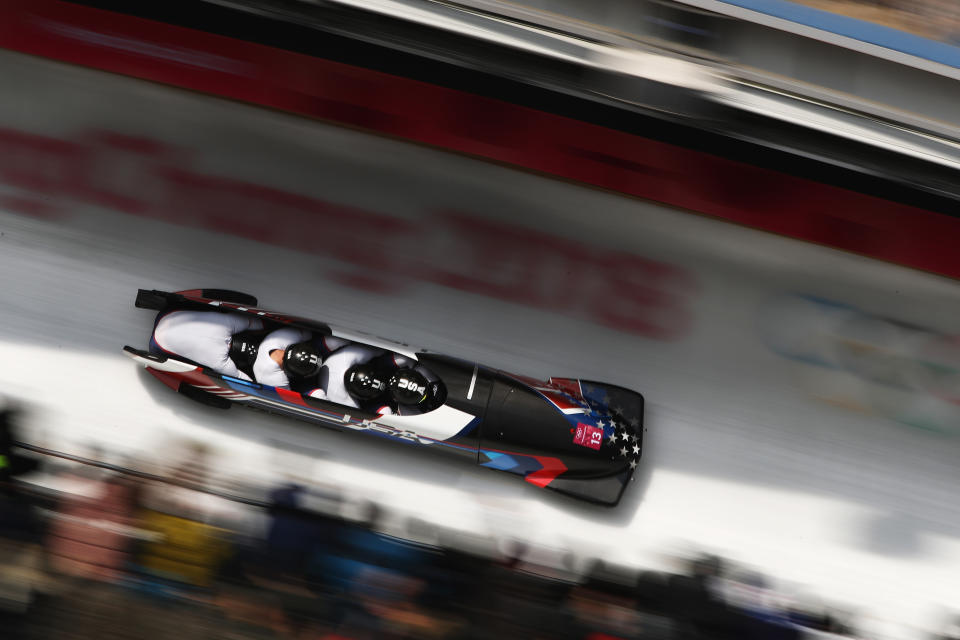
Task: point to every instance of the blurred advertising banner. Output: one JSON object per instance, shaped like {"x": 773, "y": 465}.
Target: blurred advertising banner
{"x": 369, "y": 250}
{"x": 866, "y": 362}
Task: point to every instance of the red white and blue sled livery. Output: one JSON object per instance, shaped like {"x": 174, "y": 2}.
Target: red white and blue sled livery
{"x": 580, "y": 438}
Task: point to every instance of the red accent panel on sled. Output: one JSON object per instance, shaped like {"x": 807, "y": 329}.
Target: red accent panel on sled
{"x": 569, "y": 386}
{"x": 170, "y": 379}
{"x": 291, "y": 396}
{"x": 192, "y": 293}
{"x": 552, "y": 467}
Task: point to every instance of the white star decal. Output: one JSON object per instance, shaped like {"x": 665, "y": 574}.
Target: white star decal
{"x": 633, "y": 464}
{"x": 636, "y": 449}
{"x": 600, "y": 424}
{"x": 613, "y": 438}
{"x": 623, "y": 451}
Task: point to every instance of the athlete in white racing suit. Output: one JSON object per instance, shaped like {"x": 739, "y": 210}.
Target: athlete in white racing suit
{"x": 272, "y": 366}
{"x": 268, "y": 367}
{"x": 378, "y": 381}
{"x": 332, "y": 385}
{"x": 412, "y": 388}
{"x": 204, "y": 337}
{"x": 233, "y": 344}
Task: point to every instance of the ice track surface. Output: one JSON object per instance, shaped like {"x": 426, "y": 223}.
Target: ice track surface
{"x": 742, "y": 457}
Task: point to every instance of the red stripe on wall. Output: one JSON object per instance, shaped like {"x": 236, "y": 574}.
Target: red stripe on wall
{"x": 485, "y": 127}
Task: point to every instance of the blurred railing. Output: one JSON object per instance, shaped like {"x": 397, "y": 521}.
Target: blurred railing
{"x": 854, "y": 64}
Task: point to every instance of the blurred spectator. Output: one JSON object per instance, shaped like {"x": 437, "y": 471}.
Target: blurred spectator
{"x": 315, "y": 576}
{"x": 293, "y": 533}
{"x": 183, "y": 550}
{"x": 20, "y": 563}
{"x": 20, "y": 533}
{"x": 12, "y": 462}
{"x": 698, "y": 602}
{"x": 280, "y": 565}
{"x": 750, "y": 592}
{"x": 380, "y": 580}
{"x": 91, "y": 527}
{"x": 189, "y": 528}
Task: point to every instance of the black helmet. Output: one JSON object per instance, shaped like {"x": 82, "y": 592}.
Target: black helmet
{"x": 244, "y": 347}
{"x": 364, "y": 382}
{"x": 301, "y": 360}
{"x": 408, "y": 387}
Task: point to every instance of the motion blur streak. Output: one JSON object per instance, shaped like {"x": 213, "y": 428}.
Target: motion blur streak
{"x": 394, "y": 238}
{"x": 535, "y": 139}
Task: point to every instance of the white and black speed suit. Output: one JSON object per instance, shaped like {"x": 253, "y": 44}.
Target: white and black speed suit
{"x": 203, "y": 337}
{"x": 335, "y": 366}
{"x": 402, "y": 362}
